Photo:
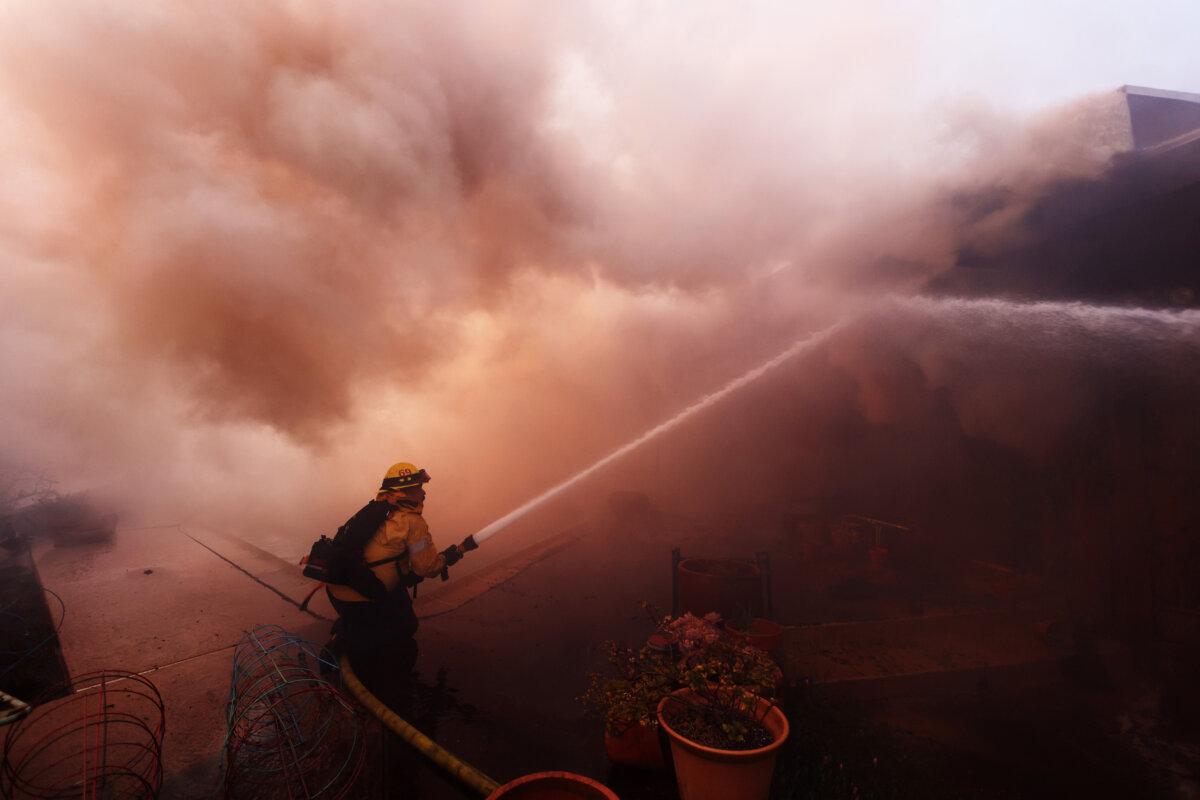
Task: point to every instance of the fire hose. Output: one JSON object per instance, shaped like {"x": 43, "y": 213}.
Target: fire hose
{"x": 462, "y": 771}
{"x": 458, "y": 769}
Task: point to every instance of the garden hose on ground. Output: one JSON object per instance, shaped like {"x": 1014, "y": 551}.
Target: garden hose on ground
{"x": 460, "y": 770}
{"x": 12, "y": 709}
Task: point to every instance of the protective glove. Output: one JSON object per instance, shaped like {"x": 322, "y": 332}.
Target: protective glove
{"x": 452, "y": 555}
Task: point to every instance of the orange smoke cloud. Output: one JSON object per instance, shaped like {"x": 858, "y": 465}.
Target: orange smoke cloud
{"x": 273, "y": 199}
{"x": 256, "y": 252}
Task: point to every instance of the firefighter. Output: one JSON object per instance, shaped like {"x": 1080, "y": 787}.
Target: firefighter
{"x": 377, "y": 634}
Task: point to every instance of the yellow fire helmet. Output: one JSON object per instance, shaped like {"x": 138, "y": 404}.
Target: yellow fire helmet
{"x": 403, "y": 476}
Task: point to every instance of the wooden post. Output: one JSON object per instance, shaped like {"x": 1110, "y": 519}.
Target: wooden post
{"x": 675, "y": 559}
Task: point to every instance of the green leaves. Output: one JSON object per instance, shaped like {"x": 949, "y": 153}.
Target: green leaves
{"x": 701, "y": 657}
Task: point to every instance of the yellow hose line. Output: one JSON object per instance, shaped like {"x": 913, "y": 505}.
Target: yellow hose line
{"x": 462, "y": 771}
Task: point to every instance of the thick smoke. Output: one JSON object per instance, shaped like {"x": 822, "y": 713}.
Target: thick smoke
{"x": 254, "y": 253}
{"x": 277, "y": 201}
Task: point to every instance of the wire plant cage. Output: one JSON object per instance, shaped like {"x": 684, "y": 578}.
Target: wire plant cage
{"x": 101, "y": 741}
{"x": 290, "y": 733}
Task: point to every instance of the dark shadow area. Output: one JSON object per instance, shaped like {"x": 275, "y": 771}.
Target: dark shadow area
{"x": 31, "y": 660}
{"x": 1056, "y": 741}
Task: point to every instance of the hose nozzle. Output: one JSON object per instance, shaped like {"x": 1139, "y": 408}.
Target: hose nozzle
{"x": 469, "y": 544}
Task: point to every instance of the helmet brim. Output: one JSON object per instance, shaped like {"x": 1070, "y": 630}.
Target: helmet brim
{"x": 406, "y": 482}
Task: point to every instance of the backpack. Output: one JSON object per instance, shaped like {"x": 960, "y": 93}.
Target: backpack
{"x": 340, "y": 560}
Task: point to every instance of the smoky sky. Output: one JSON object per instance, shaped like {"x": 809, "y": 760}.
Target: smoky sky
{"x": 254, "y": 253}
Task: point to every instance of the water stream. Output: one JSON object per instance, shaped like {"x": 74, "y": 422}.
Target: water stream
{"x": 1145, "y": 332}
{"x": 801, "y": 345}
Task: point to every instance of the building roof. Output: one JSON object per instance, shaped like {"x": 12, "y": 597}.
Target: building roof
{"x": 1160, "y": 119}
{"x": 1164, "y": 94}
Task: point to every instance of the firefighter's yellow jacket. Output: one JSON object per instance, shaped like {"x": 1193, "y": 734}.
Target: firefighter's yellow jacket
{"x": 405, "y": 533}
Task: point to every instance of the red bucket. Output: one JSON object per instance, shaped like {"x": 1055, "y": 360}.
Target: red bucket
{"x": 764, "y": 634}
{"x": 553, "y": 786}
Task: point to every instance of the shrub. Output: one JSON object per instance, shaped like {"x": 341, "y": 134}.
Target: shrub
{"x": 685, "y": 652}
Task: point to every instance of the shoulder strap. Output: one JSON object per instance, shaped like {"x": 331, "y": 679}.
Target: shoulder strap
{"x": 376, "y": 513}
{"x": 387, "y": 560}
{"x": 359, "y": 529}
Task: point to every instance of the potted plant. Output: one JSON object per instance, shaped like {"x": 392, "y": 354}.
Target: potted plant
{"x": 682, "y": 651}
{"x": 627, "y": 700}
{"x": 724, "y": 740}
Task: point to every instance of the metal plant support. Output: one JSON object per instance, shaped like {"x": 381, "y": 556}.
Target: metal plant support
{"x": 290, "y": 733}
{"x": 102, "y": 740}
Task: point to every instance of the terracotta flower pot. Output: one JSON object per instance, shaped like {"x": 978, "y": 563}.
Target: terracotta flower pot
{"x": 553, "y": 786}
{"x": 710, "y": 773}
{"x": 764, "y": 634}
{"x": 728, "y": 586}
{"x": 636, "y": 746}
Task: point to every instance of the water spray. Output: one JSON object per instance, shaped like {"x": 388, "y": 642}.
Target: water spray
{"x": 1112, "y": 320}
{"x": 801, "y": 345}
